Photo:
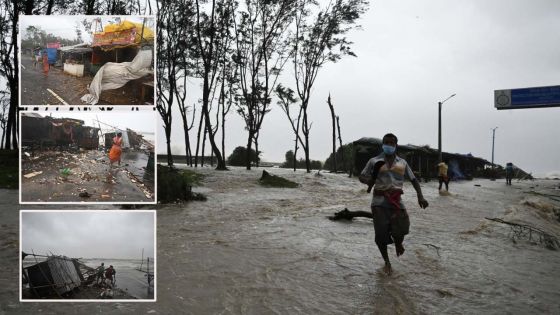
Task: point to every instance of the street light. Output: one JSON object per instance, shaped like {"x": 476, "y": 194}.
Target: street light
{"x": 439, "y": 126}
{"x": 493, "y": 137}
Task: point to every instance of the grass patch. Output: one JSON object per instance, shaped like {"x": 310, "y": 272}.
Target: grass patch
{"x": 175, "y": 185}
{"x": 269, "y": 180}
{"x": 9, "y": 168}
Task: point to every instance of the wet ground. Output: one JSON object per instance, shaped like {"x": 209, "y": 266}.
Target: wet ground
{"x": 34, "y": 85}
{"x": 89, "y": 178}
{"x": 255, "y": 250}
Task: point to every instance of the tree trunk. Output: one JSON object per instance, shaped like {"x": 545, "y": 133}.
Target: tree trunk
{"x": 340, "y": 142}
{"x": 205, "y": 99}
{"x": 187, "y": 142}
{"x": 331, "y": 107}
{"x": 168, "y": 140}
{"x": 203, "y": 145}
{"x": 248, "y": 150}
{"x": 198, "y": 139}
{"x": 50, "y": 6}
{"x": 257, "y": 151}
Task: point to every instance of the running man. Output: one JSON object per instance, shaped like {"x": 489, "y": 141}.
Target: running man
{"x": 390, "y": 219}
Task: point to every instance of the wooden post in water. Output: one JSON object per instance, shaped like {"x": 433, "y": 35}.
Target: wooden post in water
{"x": 142, "y": 259}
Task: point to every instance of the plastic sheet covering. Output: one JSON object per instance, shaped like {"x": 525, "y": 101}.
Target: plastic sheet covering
{"x": 114, "y": 75}
{"x": 51, "y": 54}
{"x": 64, "y": 274}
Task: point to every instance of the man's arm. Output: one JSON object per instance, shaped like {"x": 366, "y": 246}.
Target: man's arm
{"x": 421, "y": 201}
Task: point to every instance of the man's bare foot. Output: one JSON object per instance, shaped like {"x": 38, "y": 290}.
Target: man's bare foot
{"x": 387, "y": 269}
{"x": 400, "y": 249}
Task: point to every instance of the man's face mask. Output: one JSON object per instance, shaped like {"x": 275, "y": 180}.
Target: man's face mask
{"x": 389, "y": 149}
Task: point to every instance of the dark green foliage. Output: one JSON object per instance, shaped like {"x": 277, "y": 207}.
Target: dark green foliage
{"x": 175, "y": 185}
{"x": 289, "y": 162}
{"x": 238, "y": 157}
{"x": 9, "y": 169}
{"x": 270, "y": 180}
{"x": 345, "y": 150}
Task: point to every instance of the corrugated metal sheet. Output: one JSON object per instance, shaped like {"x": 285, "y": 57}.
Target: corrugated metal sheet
{"x": 64, "y": 274}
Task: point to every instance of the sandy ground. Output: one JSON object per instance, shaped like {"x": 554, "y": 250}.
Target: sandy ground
{"x": 89, "y": 172}
{"x": 256, "y": 250}
{"x": 34, "y": 86}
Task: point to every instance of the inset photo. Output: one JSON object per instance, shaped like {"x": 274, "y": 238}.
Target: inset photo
{"x": 88, "y": 157}
{"x": 87, "y": 60}
{"x": 69, "y": 255}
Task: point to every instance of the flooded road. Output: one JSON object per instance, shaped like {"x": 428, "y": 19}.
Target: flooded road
{"x": 266, "y": 250}
{"x": 256, "y": 250}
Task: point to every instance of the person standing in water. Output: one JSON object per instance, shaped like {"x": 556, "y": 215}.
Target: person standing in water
{"x": 116, "y": 150}
{"x": 390, "y": 219}
{"x": 442, "y": 175}
{"x": 509, "y": 173}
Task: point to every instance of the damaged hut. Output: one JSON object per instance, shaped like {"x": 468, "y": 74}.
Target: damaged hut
{"x": 122, "y": 55}
{"x": 55, "y": 276}
{"x": 422, "y": 160}
{"x": 76, "y": 59}
{"x": 48, "y": 131}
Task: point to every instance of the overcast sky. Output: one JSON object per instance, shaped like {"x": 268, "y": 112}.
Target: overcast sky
{"x": 140, "y": 121}
{"x": 412, "y": 54}
{"x": 65, "y": 26}
{"x": 103, "y": 234}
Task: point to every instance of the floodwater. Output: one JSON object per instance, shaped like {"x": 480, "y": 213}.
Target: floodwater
{"x": 256, "y": 250}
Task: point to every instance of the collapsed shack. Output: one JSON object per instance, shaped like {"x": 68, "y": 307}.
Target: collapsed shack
{"x": 61, "y": 277}
{"x": 122, "y": 56}
{"x": 76, "y": 59}
{"x": 42, "y": 132}
{"x": 423, "y": 161}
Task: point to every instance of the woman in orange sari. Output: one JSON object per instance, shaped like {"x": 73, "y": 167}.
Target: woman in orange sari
{"x": 115, "y": 153}
{"x": 45, "y": 64}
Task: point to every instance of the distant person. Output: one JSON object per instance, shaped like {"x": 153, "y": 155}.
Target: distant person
{"x": 36, "y": 58}
{"x": 45, "y": 63}
{"x": 509, "y": 173}
{"x": 109, "y": 274}
{"x": 442, "y": 175}
{"x": 390, "y": 219}
{"x": 100, "y": 271}
{"x": 115, "y": 153}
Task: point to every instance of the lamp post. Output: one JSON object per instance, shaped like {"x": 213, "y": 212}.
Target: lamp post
{"x": 439, "y": 126}
{"x": 493, "y": 138}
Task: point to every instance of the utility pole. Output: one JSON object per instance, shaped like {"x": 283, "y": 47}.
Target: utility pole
{"x": 439, "y": 126}
{"x": 493, "y": 138}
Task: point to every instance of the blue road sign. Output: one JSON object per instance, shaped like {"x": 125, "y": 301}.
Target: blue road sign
{"x": 534, "y": 97}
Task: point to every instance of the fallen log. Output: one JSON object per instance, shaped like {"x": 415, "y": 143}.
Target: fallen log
{"x": 350, "y": 215}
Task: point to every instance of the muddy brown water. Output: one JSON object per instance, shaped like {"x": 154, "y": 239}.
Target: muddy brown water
{"x": 256, "y": 250}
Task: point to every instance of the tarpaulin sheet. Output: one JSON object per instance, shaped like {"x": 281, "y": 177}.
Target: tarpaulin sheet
{"x": 121, "y": 35}
{"x": 114, "y": 75}
{"x": 51, "y": 54}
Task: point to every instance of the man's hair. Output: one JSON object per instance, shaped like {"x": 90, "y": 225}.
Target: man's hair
{"x": 119, "y": 134}
{"x": 390, "y": 135}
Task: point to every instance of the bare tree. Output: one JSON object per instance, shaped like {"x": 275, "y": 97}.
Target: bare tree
{"x": 9, "y": 14}
{"x": 316, "y": 43}
{"x": 261, "y": 53}
{"x": 167, "y": 69}
{"x": 331, "y": 107}
{"x": 212, "y": 33}
{"x": 286, "y": 99}
{"x": 340, "y": 141}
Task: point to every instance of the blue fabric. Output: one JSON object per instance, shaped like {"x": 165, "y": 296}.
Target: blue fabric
{"x": 51, "y": 53}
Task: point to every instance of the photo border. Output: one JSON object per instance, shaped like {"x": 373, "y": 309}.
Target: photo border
{"x": 20, "y": 282}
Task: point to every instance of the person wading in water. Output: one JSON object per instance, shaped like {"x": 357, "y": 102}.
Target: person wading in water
{"x": 115, "y": 153}
{"x": 390, "y": 219}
